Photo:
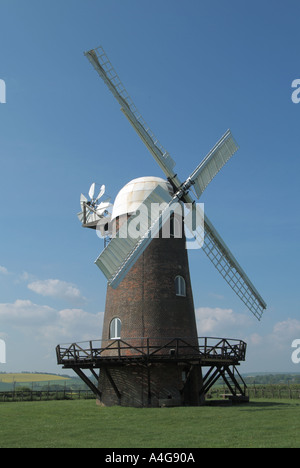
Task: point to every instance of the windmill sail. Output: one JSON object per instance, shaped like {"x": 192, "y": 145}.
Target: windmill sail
{"x": 226, "y": 264}
{"x": 103, "y": 66}
{"x": 213, "y": 163}
{"x": 122, "y": 252}
{"x": 210, "y": 241}
{"x": 114, "y": 264}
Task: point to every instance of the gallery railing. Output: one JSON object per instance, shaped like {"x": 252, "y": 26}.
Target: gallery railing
{"x": 208, "y": 348}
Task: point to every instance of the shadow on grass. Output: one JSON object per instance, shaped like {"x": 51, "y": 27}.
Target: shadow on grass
{"x": 252, "y": 405}
{"x": 267, "y": 403}
{"x": 257, "y": 405}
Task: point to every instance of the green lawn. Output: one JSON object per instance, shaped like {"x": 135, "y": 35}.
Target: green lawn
{"x": 262, "y": 423}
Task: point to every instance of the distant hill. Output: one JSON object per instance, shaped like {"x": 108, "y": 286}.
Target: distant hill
{"x": 44, "y": 380}
{"x": 26, "y": 377}
{"x": 39, "y": 381}
{"x": 271, "y": 378}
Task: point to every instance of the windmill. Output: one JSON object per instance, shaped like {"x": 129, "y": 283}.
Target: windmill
{"x": 150, "y": 353}
{"x": 95, "y": 212}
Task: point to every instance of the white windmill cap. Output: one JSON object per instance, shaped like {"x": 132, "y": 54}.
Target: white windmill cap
{"x": 132, "y": 195}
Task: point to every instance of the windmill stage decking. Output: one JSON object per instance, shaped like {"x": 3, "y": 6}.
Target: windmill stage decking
{"x": 220, "y": 355}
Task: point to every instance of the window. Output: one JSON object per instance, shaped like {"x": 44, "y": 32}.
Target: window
{"x": 180, "y": 286}
{"x": 115, "y": 329}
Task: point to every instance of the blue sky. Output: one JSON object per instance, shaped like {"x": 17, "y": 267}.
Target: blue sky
{"x": 194, "y": 69}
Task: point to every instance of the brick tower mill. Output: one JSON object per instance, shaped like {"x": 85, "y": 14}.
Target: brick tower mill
{"x": 150, "y": 354}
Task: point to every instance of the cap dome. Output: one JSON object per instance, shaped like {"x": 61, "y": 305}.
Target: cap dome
{"x": 132, "y": 195}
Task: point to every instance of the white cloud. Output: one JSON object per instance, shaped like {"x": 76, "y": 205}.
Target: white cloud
{"x": 288, "y": 329}
{"x": 33, "y": 331}
{"x": 271, "y": 352}
{"x": 57, "y": 289}
{"x": 255, "y": 339}
{"x": 25, "y": 276}
{"x": 76, "y": 325}
{"x": 49, "y": 325}
{"x": 3, "y": 270}
{"x": 267, "y": 351}
{"x": 24, "y": 313}
{"x": 48, "y": 288}
{"x": 281, "y": 336}
{"x": 221, "y": 322}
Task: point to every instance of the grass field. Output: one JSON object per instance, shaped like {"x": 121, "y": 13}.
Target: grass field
{"x": 69, "y": 424}
{"x": 25, "y": 378}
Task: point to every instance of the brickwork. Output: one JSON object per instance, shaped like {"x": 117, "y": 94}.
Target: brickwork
{"x": 158, "y": 385}
{"x": 147, "y": 305}
{"x": 146, "y": 302}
